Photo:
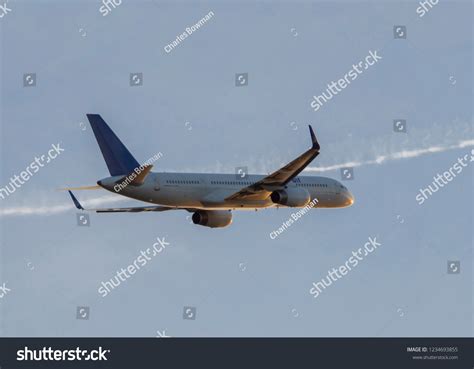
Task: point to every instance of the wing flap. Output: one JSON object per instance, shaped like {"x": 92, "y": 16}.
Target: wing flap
{"x": 138, "y": 209}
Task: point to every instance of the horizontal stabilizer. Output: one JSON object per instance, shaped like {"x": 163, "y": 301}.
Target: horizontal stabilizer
{"x": 96, "y": 187}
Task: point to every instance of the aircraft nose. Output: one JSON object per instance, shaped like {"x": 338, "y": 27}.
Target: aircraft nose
{"x": 345, "y": 197}
{"x": 348, "y": 197}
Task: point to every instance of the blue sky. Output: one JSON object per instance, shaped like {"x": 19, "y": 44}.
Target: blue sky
{"x": 241, "y": 282}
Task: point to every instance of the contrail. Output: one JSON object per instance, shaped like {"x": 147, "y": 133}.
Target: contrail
{"x": 405, "y": 154}
{"x": 58, "y": 209}
{"x": 103, "y": 200}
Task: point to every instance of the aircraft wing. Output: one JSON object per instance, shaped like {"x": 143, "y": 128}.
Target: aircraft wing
{"x": 138, "y": 209}
{"x": 261, "y": 190}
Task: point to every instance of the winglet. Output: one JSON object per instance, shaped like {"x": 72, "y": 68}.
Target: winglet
{"x": 314, "y": 139}
{"x": 77, "y": 203}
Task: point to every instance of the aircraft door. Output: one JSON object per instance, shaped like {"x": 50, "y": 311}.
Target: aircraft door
{"x": 337, "y": 187}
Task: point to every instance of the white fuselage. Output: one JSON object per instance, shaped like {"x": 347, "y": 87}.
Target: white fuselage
{"x": 209, "y": 191}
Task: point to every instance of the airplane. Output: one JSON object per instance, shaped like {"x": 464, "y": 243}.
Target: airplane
{"x": 210, "y": 197}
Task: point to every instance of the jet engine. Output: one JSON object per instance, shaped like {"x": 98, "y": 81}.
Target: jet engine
{"x": 292, "y": 197}
{"x": 212, "y": 218}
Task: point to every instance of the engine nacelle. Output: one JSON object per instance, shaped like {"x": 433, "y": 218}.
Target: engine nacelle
{"x": 213, "y": 218}
{"x": 292, "y": 197}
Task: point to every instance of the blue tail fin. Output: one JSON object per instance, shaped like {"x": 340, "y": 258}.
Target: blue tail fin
{"x": 116, "y": 155}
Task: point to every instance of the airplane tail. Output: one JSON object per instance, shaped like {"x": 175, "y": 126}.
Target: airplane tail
{"x": 117, "y": 157}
